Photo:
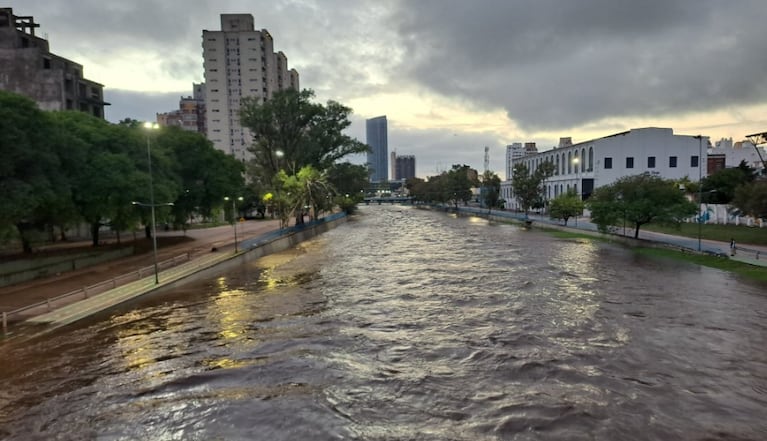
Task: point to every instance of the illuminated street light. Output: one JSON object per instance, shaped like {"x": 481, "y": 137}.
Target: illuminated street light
{"x": 152, "y": 126}
{"x": 234, "y": 218}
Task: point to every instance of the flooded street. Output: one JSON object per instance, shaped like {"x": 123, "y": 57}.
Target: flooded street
{"x": 409, "y": 324}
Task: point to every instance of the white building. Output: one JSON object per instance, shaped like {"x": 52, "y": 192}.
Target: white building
{"x": 736, "y": 152}
{"x": 584, "y": 166}
{"x": 239, "y": 62}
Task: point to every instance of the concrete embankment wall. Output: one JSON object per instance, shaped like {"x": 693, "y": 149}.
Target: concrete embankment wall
{"x": 23, "y": 270}
{"x": 262, "y": 249}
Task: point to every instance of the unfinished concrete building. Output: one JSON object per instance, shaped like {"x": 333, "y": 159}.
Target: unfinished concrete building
{"x": 27, "y": 67}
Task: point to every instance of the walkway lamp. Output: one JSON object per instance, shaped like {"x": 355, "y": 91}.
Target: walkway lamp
{"x": 234, "y": 217}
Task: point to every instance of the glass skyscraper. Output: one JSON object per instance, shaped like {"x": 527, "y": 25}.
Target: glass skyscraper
{"x": 378, "y": 157}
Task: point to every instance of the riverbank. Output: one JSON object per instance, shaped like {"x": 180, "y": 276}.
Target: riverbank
{"x": 207, "y": 265}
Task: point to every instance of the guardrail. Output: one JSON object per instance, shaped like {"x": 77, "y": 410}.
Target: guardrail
{"x": 52, "y": 303}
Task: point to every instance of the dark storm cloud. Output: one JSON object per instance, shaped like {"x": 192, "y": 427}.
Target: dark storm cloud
{"x": 557, "y": 64}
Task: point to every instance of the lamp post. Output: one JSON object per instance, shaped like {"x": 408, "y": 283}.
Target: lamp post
{"x": 576, "y": 161}
{"x": 700, "y": 188}
{"x": 234, "y": 218}
{"x": 152, "y": 126}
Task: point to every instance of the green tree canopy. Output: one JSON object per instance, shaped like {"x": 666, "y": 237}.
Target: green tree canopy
{"x": 719, "y": 188}
{"x": 565, "y": 206}
{"x": 639, "y": 199}
{"x": 751, "y": 199}
{"x": 491, "y": 189}
{"x": 528, "y": 187}
{"x": 290, "y": 132}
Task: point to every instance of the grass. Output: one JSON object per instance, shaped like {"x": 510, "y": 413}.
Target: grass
{"x": 742, "y": 234}
{"x": 752, "y": 272}
{"x": 743, "y": 269}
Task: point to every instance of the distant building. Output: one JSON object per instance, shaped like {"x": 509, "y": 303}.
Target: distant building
{"x": 239, "y": 62}
{"x": 27, "y": 67}
{"x": 376, "y": 137}
{"x": 190, "y": 115}
{"x": 735, "y": 153}
{"x": 588, "y": 165}
{"x": 404, "y": 167}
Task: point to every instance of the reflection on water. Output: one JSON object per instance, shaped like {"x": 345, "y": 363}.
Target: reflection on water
{"x": 409, "y": 324}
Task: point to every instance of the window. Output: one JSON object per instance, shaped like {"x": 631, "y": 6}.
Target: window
{"x": 694, "y": 161}
{"x": 651, "y": 162}
{"x": 46, "y": 63}
{"x": 672, "y": 161}
{"x": 608, "y": 163}
{"x": 629, "y": 162}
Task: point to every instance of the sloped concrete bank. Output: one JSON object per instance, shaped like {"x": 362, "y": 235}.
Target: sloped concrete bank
{"x": 207, "y": 267}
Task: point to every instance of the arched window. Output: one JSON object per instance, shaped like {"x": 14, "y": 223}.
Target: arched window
{"x": 591, "y": 158}
{"x": 556, "y": 168}
{"x": 569, "y": 163}
{"x": 583, "y": 160}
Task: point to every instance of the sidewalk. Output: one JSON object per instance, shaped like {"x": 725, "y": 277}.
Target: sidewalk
{"x": 197, "y": 245}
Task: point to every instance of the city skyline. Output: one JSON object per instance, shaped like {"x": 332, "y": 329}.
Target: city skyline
{"x": 517, "y": 71}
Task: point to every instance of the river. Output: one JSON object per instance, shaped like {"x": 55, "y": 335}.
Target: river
{"x": 407, "y": 324}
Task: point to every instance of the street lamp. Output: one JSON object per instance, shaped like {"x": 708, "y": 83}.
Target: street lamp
{"x": 154, "y": 235}
{"x": 234, "y": 218}
{"x": 700, "y": 188}
{"x": 576, "y": 161}
{"x": 152, "y": 126}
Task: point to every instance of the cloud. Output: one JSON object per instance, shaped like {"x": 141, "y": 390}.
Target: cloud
{"x": 554, "y": 65}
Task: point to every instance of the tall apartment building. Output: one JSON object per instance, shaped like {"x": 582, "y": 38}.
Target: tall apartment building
{"x": 239, "y": 62}
{"x": 27, "y": 67}
{"x": 405, "y": 167}
{"x": 376, "y": 133}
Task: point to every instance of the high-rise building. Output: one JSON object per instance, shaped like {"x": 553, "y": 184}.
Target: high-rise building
{"x": 27, "y": 67}
{"x": 190, "y": 114}
{"x": 239, "y": 62}
{"x": 405, "y": 167}
{"x": 377, "y": 138}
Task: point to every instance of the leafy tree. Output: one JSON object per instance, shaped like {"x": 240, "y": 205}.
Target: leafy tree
{"x": 199, "y": 176}
{"x": 31, "y": 181}
{"x": 458, "y": 184}
{"x": 751, "y": 199}
{"x": 566, "y": 206}
{"x": 348, "y": 179}
{"x": 528, "y": 187}
{"x": 719, "y": 188}
{"x": 491, "y": 189}
{"x": 639, "y": 199}
{"x": 291, "y": 132}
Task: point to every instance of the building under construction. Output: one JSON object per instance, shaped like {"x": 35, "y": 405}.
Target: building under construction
{"x": 27, "y": 67}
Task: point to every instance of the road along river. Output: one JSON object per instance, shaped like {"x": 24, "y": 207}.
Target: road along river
{"x": 410, "y": 324}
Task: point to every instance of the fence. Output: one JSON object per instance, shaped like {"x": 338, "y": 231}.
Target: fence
{"x": 52, "y": 303}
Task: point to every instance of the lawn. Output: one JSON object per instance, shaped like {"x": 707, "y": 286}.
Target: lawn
{"x": 742, "y": 234}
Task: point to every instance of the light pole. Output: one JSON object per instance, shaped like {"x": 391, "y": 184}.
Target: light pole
{"x": 700, "y": 188}
{"x": 234, "y": 218}
{"x": 152, "y": 126}
{"x": 576, "y": 161}
{"x": 154, "y": 236}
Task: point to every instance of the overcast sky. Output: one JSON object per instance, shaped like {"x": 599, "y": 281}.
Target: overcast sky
{"x": 451, "y": 76}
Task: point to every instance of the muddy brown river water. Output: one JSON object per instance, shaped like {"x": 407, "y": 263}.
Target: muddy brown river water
{"x": 405, "y": 324}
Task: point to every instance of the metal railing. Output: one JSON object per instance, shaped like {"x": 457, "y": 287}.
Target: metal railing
{"x": 51, "y": 303}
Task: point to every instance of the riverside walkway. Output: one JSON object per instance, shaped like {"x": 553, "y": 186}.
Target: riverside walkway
{"x": 750, "y": 254}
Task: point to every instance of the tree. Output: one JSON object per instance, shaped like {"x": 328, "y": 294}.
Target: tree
{"x": 291, "y": 132}
{"x": 639, "y": 199}
{"x": 31, "y": 180}
{"x": 490, "y": 190}
{"x": 565, "y": 206}
{"x": 751, "y": 199}
{"x": 458, "y": 183}
{"x": 719, "y": 188}
{"x": 348, "y": 179}
{"x": 527, "y": 186}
